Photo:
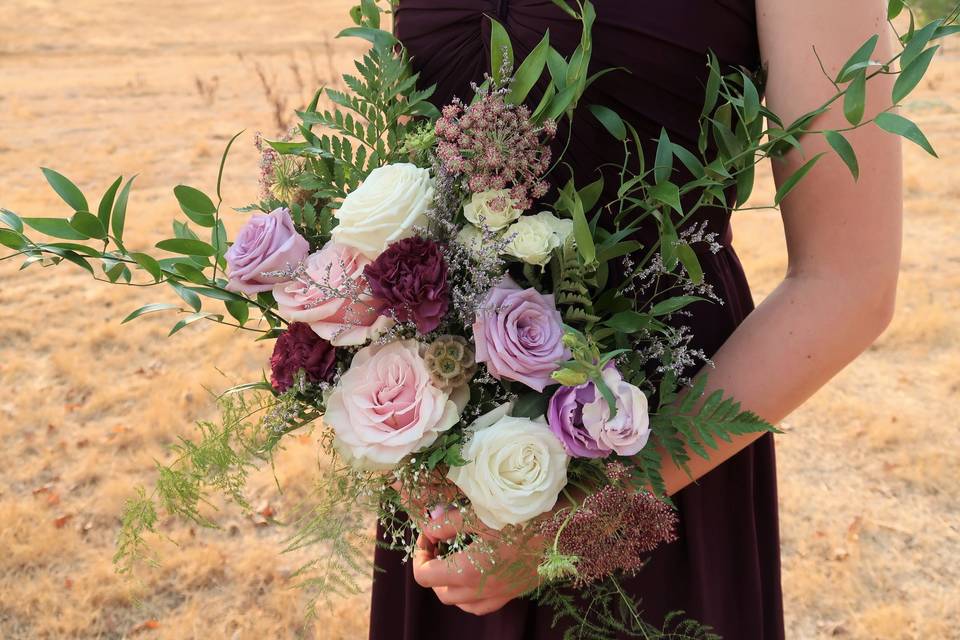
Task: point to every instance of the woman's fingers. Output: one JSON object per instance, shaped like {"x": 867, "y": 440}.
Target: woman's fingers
{"x": 430, "y": 571}
{"x": 445, "y": 523}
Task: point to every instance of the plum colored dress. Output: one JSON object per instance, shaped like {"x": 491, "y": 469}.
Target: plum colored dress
{"x": 724, "y": 570}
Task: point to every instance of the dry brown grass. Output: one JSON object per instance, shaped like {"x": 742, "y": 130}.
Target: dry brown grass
{"x": 868, "y": 469}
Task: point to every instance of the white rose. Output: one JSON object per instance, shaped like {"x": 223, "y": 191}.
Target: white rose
{"x": 516, "y": 469}
{"x": 384, "y": 208}
{"x": 386, "y": 406}
{"x": 495, "y": 209}
{"x": 472, "y": 240}
{"x": 533, "y": 238}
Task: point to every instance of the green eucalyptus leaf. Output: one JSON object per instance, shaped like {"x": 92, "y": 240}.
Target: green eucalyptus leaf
{"x": 196, "y": 205}
{"x": 12, "y": 220}
{"x": 667, "y": 193}
{"x": 106, "y": 202}
{"x": 239, "y": 310}
{"x": 663, "y": 165}
{"x": 672, "y": 305}
{"x": 187, "y": 247}
{"x": 861, "y": 56}
{"x": 898, "y": 125}
{"x": 12, "y": 239}
{"x": 150, "y": 308}
{"x": 193, "y": 317}
{"x": 845, "y": 151}
{"x": 66, "y": 190}
{"x": 854, "y": 102}
{"x": 88, "y": 224}
{"x": 501, "y": 52}
{"x": 690, "y": 161}
{"x": 713, "y": 85}
{"x": 911, "y": 76}
{"x": 688, "y": 258}
{"x": 630, "y": 321}
{"x": 610, "y": 120}
{"x": 790, "y": 183}
{"x": 751, "y": 100}
{"x": 917, "y": 43}
{"x": 378, "y": 37}
{"x": 149, "y": 264}
{"x": 529, "y": 71}
{"x": 55, "y": 227}
{"x": 894, "y": 8}
{"x": 119, "y": 217}
{"x": 746, "y": 178}
{"x": 188, "y": 296}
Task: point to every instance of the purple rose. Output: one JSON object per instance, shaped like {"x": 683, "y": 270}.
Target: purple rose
{"x": 580, "y": 418}
{"x": 300, "y": 348}
{"x": 268, "y": 242}
{"x": 411, "y": 275}
{"x": 518, "y": 334}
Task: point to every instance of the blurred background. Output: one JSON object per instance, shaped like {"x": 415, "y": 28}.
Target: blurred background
{"x": 870, "y": 513}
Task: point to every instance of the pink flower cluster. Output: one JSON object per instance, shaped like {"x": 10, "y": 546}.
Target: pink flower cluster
{"x": 497, "y": 146}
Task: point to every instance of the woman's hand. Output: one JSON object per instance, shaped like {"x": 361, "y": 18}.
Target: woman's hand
{"x": 473, "y": 579}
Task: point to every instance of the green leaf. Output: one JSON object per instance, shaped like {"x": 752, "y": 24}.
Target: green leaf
{"x": 854, "y": 102}
{"x": 845, "y": 151}
{"x": 12, "y": 239}
{"x": 106, "y": 203}
{"x": 791, "y": 182}
{"x": 663, "y": 165}
{"x": 861, "y": 56}
{"x": 191, "y": 273}
{"x": 187, "y": 247}
{"x": 66, "y": 190}
{"x": 188, "y": 296}
{"x": 630, "y": 321}
{"x": 690, "y": 161}
{"x": 12, "y": 220}
{"x": 530, "y": 405}
{"x": 529, "y": 71}
{"x": 196, "y": 205}
{"x": 590, "y": 194}
{"x": 378, "y": 37}
{"x": 894, "y": 7}
{"x": 746, "y": 178}
{"x": 55, "y": 227}
{"x": 88, "y": 224}
{"x": 901, "y": 126}
{"x": 918, "y": 42}
{"x": 239, "y": 310}
{"x": 713, "y": 85}
{"x": 911, "y": 76}
{"x": 557, "y": 66}
{"x": 501, "y": 52}
{"x": 150, "y": 308}
{"x": 119, "y": 217}
{"x": 72, "y": 246}
{"x": 610, "y": 120}
{"x": 582, "y": 233}
{"x": 149, "y": 264}
{"x": 226, "y": 151}
{"x": 193, "y": 317}
{"x": 667, "y": 193}
{"x": 81, "y": 262}
{"x": 371, "y": 12}
{"x": 688, "y": 258}
{"x": 672, "y": 305}
{"x": 751, "y": 100}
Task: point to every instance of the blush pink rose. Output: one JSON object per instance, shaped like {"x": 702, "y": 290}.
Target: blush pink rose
{"x": 386, "y": 406}
{"x": 334, "y": 298}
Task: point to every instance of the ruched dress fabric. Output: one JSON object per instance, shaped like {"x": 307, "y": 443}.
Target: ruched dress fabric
{"x": 724, "y": 569}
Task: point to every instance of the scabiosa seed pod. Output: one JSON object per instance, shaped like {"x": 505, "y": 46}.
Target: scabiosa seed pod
{"x": 451, "y": 361}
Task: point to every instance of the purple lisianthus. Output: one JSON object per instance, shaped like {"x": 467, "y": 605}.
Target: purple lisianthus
{"x": 411, "y": 276}
{"x": 581, "y": 418}
{"x": 268, "y": 242}
{"x": 519, "y": 335}
{"x": 300, "y": 348}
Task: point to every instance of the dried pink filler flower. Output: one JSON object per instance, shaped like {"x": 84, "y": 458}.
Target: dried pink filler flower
{"x": 497, "y": 146}
{"x": 613, "y": 531}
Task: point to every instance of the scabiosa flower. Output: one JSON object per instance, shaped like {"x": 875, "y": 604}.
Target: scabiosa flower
{"x": 613, "y": 530}
{"x": 411, "y": 276}
{"x": 300, "y": 349}
{"x": 496, "y": 145}
{"x": 451, "y": 361}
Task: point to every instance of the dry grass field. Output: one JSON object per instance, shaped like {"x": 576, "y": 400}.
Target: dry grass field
{"x": 868, "y": 469}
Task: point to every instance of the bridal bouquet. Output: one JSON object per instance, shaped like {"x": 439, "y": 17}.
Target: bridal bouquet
{"x": 469, "y": 329}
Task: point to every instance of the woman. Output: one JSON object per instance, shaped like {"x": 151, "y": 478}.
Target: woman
{"x": 834, "y": 301}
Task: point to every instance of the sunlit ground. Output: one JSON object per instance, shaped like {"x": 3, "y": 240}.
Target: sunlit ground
{"x": 868, "y": 469}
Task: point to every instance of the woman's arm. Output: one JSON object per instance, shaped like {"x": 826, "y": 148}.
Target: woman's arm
{"x": 843, "y": 237}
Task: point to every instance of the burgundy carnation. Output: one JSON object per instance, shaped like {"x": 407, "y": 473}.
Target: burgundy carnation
{"x": 300, "y": 348}
{"x": 411, "y": 275}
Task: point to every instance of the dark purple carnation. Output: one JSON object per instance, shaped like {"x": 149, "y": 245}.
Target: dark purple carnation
{"x": 411, "y": 275}
{"x": 300, "y": 348}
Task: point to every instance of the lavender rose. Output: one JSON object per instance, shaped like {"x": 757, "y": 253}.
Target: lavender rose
{"x": 299, "y": 348}
{"x": 268, "y": 242}
{"x": 518, "y": 334}
{"x": 580, "y": 418}
{"x": 411, "y": 276}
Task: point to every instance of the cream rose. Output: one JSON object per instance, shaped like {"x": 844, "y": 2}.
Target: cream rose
{"x": 516, "y": 469}
{"x": 384, "y": 208}
{"x": 495, "y": 209}
{"x": 533, "y": 238}
{"x": 386, "y": 406}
